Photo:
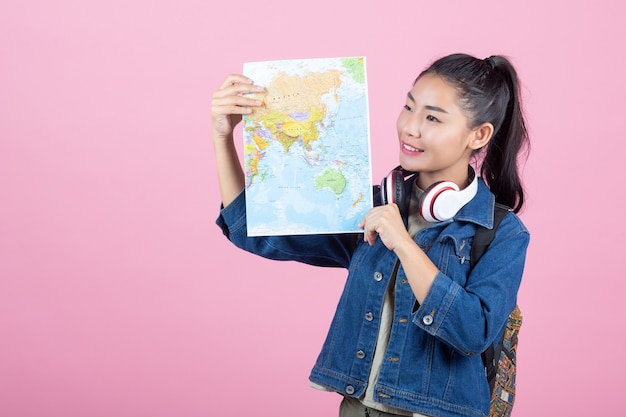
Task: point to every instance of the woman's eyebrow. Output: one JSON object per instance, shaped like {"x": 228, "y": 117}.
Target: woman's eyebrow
{"x": 428, "y": 107}
{"x": 435, "y": 108}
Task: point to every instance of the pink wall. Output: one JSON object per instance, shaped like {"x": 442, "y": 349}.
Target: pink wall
{"x": 118, "y": 294}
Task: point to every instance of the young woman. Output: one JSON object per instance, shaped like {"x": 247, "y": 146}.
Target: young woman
{"x": 413, "y": 319}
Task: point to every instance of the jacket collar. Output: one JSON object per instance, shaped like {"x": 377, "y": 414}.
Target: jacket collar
{"x": 480, "y": 209}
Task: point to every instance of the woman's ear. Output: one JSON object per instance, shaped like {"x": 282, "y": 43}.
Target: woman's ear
{"x": 481, "y": 135}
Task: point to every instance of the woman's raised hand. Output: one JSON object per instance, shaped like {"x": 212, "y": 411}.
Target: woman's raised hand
{"x": 230, "y": 101}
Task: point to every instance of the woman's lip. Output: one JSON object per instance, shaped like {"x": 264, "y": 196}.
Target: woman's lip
{"x": 410, "y": 149}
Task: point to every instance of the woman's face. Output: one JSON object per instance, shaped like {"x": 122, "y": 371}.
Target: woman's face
{"x": 435, "y": 138}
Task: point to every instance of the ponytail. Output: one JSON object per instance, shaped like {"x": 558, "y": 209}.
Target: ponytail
{"x": 488, "y": 91}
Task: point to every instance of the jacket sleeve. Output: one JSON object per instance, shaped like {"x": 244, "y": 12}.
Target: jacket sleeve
{"x": 332, "y": 250}
{"x": 471, "y": 317}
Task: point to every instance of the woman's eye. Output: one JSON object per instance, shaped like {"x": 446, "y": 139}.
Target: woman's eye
{"x": 407, "y": 107}
{"x": 432, "y": 118}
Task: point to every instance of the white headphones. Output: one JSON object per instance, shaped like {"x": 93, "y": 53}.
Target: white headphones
{"x": 439, "y": 202}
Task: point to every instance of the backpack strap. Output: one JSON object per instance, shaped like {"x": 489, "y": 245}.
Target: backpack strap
{"x": 484, "y": 236}
{"x": 482, "y": 240}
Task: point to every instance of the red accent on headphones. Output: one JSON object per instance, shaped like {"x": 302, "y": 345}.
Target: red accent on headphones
{"x": 428, "y": 199}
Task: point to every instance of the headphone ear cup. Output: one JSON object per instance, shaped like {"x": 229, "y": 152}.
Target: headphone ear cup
{"x": 398, "y": 189}
{"x": 384, "y": 190}
{"x": 392, "y": 189}
{"x": 432, "y": 202}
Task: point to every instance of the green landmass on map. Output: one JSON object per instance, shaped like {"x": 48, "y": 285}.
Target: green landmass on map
{"x": 332, "y": 179}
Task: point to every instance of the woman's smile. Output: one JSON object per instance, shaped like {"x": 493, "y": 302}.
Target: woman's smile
{"x": 410, "y": 150}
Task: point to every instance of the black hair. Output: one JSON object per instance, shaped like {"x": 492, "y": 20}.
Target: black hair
{"x": 488, "y": 91}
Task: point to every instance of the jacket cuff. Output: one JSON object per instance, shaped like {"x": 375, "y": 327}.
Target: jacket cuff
{"x": 433, "y": 311}
{"x": 232, "y": 218}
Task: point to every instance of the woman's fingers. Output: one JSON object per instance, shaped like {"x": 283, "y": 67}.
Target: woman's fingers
{"x": 384, "y": 222}
{"x": 234, "y": 98}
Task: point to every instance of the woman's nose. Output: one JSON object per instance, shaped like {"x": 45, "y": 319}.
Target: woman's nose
{"x": 413, "y": 126}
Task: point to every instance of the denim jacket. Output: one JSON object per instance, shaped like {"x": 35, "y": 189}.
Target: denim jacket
{"x": 433, "y": 361}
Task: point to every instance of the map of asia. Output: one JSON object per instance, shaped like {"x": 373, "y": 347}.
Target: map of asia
{"x": 307, "y": 149}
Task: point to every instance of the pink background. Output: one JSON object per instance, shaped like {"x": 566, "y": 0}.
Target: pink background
{"x": 120, "y": 297}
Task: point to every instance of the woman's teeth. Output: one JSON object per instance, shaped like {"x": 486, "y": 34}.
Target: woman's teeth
{"x": 410, "y": 148}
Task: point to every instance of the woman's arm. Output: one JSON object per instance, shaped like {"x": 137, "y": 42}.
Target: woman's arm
{"x": 228, "y": 104}
{"x": 469, "y": 315}
{"x": 334, "y": 250}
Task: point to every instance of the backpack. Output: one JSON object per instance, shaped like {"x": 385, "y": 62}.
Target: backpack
{"x": 500, "y": 358}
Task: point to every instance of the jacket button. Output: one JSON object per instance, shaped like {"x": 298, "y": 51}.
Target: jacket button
{"x": 378, "y": 276}
{"x": 360, "y": 354}
{"x": 349, "y": 390}
{"x": 369, "y": 316}
{"x": 427, "y": 320}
